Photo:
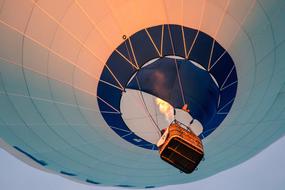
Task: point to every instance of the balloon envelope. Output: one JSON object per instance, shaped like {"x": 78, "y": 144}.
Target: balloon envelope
{"x": 65, "y": 66}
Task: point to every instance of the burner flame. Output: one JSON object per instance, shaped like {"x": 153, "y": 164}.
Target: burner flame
{"x": 165, "y": 108}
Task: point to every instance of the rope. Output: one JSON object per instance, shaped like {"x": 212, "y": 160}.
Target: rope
{"x": 141, "y": 95}
{"x": 176, "y": 66}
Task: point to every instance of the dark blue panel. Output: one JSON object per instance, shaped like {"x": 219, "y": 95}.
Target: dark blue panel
{"x": 149, "y": 187}
{"x": 124, "y": 186}
{"x": 107, "y": 77}
{"x": 133, "y": 136}
{"x": 176, "y": 96}
{"x": 110, "y": 95}
{"x": 115, "y": 120}
{"x": 226, "y": 108}
{"x": 177, "y": 39}
{"x": 202, "y": 49}
{"x": 227, "y": 95}
{"x": 67, "y": 173}
{"x": 231, "y": 79}
{"x": 223, "y": 67}
{"x": 161, "y": 79}
{"x": 120, "y": 67}
{"x": 218, "y": 51}
{"x": 91, "y": 181}
{"x": 143, "y": 48}
{"x": 167, "y": 46}
{"x": 214, "y": 123}
{"x": 126, "y": 50}
{"x": 143, "y": 143}
{"x": 157, "y": 79}
{"x": 41, "y": 162}
{"x": 189, "y": 36}
{"x": 155, "y": 33}
{"x": 208, "y": 132}
{"x": 104, "y": 107}
{"x": 200, "y": 92}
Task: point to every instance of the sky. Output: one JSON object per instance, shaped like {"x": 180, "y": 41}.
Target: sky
{"x": 263, "y": 172}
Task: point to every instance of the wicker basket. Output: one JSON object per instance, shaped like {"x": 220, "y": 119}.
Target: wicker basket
{"x": 182, "y": 148}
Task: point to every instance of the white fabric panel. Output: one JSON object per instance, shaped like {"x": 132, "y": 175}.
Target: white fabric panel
{"x": 196, "y": 127}
{"x": 141, "y": 115}
{"x": 183, "y": 116}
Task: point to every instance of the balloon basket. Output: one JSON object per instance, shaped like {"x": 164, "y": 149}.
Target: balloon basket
{"x": 182, "y": 148}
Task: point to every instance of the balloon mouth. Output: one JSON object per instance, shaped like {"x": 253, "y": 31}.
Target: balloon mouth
{"x": 176, "y": 82}
{"x": 173, "y": 67}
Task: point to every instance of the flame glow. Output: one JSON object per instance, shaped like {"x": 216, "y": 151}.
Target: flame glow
{"x": 165, "y": 108}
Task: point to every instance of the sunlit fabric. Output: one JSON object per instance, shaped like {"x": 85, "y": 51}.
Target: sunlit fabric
{"x": 61, "y": 96}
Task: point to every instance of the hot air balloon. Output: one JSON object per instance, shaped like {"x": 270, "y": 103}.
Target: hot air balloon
{"x": 86, "y": 87}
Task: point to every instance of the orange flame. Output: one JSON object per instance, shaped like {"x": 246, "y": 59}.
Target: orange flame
{"x": 165, "y": 108}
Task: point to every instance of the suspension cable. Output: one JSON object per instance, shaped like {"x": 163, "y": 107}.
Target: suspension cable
{"x": 141, "y": 95}
{"x": 176, "y": 66}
